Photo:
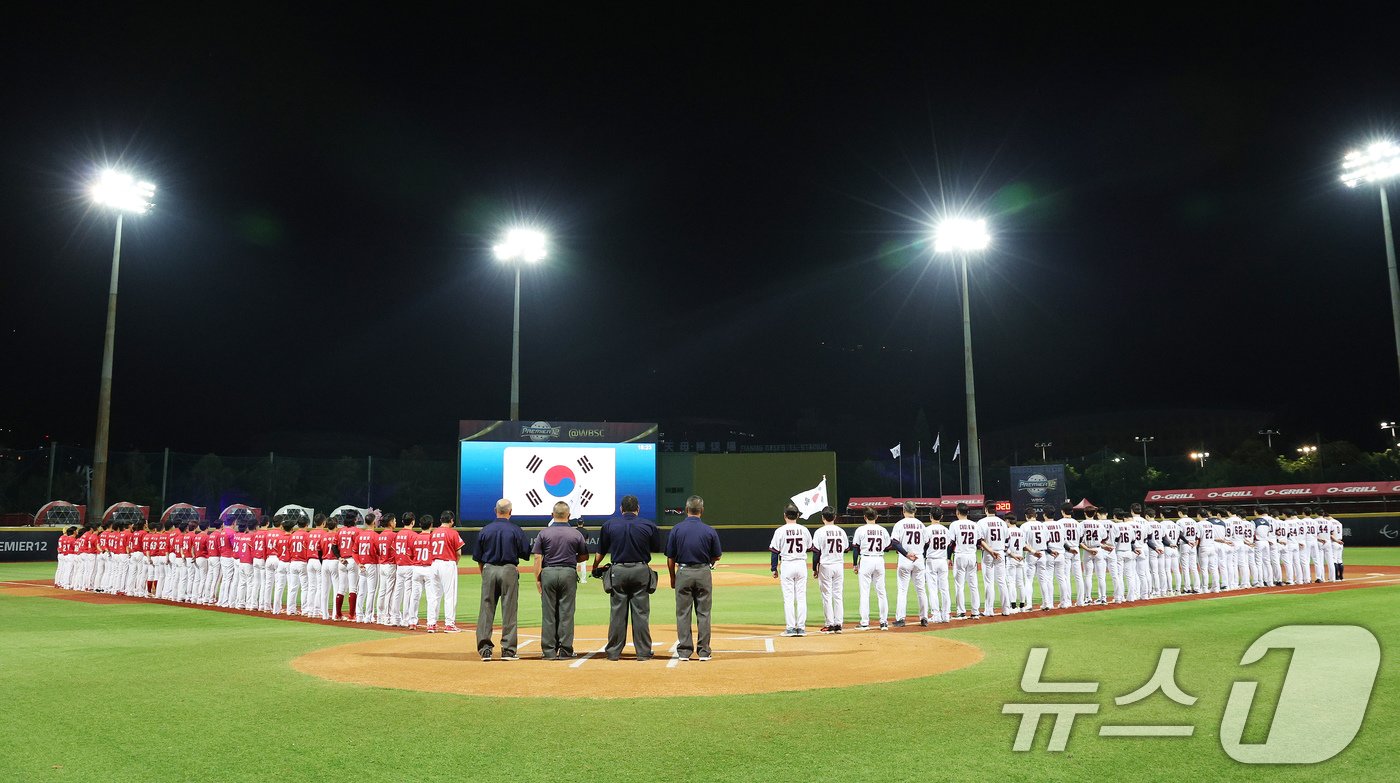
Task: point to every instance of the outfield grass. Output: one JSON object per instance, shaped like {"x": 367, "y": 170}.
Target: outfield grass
{"x": 150, "y": 692}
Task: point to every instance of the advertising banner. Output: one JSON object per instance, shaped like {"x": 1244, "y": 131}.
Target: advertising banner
{"x": 1037, "y": 488}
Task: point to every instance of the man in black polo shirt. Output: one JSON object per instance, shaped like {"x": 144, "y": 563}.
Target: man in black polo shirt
{"x": 629, "y": 540}
{"x": 558, "y": 550}
{"x": 694, "y": 547}
{"x": 499, "y": 547}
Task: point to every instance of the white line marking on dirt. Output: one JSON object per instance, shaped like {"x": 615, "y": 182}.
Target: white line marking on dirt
{"x": 586, "y": 656}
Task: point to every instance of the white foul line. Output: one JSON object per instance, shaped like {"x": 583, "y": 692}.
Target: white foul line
{"x": 768, "y": 644}
{"x": 675, "y": 656}
{"x": 584, "y": 659}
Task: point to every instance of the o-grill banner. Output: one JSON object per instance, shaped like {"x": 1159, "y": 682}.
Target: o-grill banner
{"x": 1037, "y": 488}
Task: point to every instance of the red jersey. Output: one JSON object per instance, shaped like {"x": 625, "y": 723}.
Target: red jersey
{"x": 328, "y": 551}
{"x": 260, "y": 544}
{"x": 279, "y": 544}
{"x": 187, "y": 545}
{"x": 365, "y": 547}
{"x": 298, "y": 545}
{"x": 63, "y": 543}
{"x": 447, "y": 545}
{"x": 152, "y": 543}
{"x": 403, "y": 545}
{"x": 199, "y": 544}
{"x": 313, "y": 543}
{"x": 138, "y": 541}
{"x": 179, "y": 544}
{"x": 243, "y": 547}
{"x": 345, "y": 540}
{"x": 102, "y": 541}
{"x": 223, "y": 542}
{"x": 384, "y": 547}
{"x": 124, "y": 544}
{"x": 421, "y": 547}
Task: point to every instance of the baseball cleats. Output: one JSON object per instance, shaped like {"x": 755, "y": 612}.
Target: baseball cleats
{"x": 451, "y": 628}
{"x": 704, "y": 658}
{"x": 510, "y": 657}
{"x": 800, "y": 632}
{"x": 828, "y": 629}
{"x": 432, "y": 627}
{"x": 923, "y": 622}
{"x": 788, "y": 632}
{"x": 899, "y": 623}
{"x": 884, "y": 626}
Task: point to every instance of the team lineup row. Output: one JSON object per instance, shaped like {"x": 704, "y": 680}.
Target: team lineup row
{"x": 1146, "y": 553}
{"x": 280, "y": 566}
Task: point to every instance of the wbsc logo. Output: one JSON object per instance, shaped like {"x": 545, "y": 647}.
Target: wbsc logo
{"x": 1321, "y": 703}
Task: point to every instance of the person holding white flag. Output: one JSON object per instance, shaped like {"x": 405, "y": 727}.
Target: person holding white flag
{"x": 789, "y": 547}
{"x": 812, "y": 501}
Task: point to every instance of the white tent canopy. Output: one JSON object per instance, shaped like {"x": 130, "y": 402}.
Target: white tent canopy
{"x": 293, "y": 510}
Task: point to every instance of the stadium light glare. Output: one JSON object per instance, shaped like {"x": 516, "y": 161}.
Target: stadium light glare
{"x": 522, "y": 244}
{"x": 961, "y": 235}
{"x": 1378, "y": 162}
{"x": 123, "y": 191}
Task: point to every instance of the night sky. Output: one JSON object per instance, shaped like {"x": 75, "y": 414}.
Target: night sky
{"x": 739, "y": 210}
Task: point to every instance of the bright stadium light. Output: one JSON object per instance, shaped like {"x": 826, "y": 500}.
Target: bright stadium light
{"x": 1376, "y": 164}
{"x": 124, "y": 193}
{"x": 959, "y": 235}
{"x": 521, "y": 244}
{"x": 962, "y": 237}
{"x": 528, "y": 245}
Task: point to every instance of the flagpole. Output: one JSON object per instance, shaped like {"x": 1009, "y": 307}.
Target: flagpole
{"x": 901, "y": 475}
{"x": 919, "y": 465}
{"x": 940, "y": 470}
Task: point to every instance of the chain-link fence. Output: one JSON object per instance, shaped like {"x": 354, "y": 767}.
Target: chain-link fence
{"x": 28, "y": 479}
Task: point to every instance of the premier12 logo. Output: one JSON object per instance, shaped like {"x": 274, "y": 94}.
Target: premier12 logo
{"x": 534, "y": 478}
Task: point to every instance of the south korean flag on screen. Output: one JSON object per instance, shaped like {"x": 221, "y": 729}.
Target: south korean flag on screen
{"x": 534, "y": 479}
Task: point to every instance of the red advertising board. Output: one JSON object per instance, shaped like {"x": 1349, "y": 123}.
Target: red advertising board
{"x": 1274, "y": 493}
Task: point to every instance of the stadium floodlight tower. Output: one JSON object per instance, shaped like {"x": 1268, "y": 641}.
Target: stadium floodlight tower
{"x": 123, "y": 193}
{"x": 1376, "y": 164}
{"x": 961, "y": 237}
{"x": 520, "y": 245}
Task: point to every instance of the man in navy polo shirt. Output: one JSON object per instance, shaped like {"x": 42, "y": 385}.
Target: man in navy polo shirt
{"x": 693, "y": 547}
{"x": 628, "y": 540}
{"x": 500, "y": 546}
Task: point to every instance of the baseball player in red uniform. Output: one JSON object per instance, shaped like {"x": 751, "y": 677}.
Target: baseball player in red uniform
{"x": 385, "y": 610}
{"x": 278, "y": 542}
{"x": 421, "y": 572}
{"x": 243, "y": 552}
{"x": 259, "y": 562}
{"x": 299, "y": 550}
{"x": 228, "y": 564}
{"x": 347, "y": 576}
{"x": 403, "y": 578}
{"x": 314, "y": 602}
{"x": 447, "y": 549}
{"x": 366, "y": 571}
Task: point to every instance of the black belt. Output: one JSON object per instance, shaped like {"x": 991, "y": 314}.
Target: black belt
{"x": 500, "y": 565}
{"x": 633, "y": 562}
{"x": 695, "y": 565}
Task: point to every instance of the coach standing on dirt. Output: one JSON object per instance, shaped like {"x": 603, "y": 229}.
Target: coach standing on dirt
{"x": 694, "y": 547}
{"x": 629, "y": 541}
{"x": 500, "y": 546}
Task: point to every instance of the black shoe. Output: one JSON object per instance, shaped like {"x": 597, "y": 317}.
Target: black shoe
{"x": 619, "y": 657}
{"x": 923, "y": 622}
{"x": 899, "y": 623}
{"x": 549, "y": 657}
{"x": 639, "y": 657}
{"x": 486, "y": 657}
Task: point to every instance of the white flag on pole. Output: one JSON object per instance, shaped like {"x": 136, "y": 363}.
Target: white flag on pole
{"x": 936, "y": 439}
{"x": 812, "y": 501}
{"x": 894, "y": 452}
{"x": 957, "y": 450}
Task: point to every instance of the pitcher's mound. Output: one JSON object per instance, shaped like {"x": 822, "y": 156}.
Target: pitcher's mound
{"x": 747, "y": 659}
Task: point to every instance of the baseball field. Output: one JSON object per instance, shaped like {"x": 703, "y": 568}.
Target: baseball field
{"x": 111, "y": 689}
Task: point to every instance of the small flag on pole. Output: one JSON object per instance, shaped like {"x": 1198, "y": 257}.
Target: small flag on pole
{"x": 936, "y": 439}
{"x": 894, "y": 452}
{"x": 957, "y": 450}
{"x": 812, "y": 501}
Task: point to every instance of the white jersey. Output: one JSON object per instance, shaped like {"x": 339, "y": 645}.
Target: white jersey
{"x": 1171, "y": 534}
{"x": 965, "y": 535}
{"x": 993, "y": 530}
{"x": 1154, "y": 533}
{"x": 909, "y": 531}
{"x": 1205, "y": 534}
{"x": 1094, "y": 533}
{"x": 1122, "y": 538}
{"x": 1015, "y": 541}
{"x": 830, "y": 542}
{"x": 1072, "y": 530}
{"x": 1263, "y": 533}
{"x": 1055, "y": 537}
{"x": 936, "y": 541}
{"x": 1190, "y": 536}
{"x": 1334, "y": 530}
{"x": 791, "y": 541}
{"x": 1035, "y": 536}
{"x": 872, "y": 541}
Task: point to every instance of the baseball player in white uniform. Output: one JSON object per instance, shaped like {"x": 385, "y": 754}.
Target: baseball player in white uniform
{"x": 1140, "y": 534}
{"x": 1055, "y": 552}
{"x": 1287, "y": 534}
{"x": 991, "y": 540}
{"x": 965, "y": 534}
{"x": 1038, "y": 561}
{"x": 1335, "y": 533}
{"x": 1095, "y": 535}
{"x": 1072, "y": 525}
{"x": 937, "y": 542}
{"x": 789, "y": 547}
{"x": 1171, "y": 554}
{"x": 1015, "y": 568}
{"x": 1124, "y": 574}
{"x": 1156, "y": 555}
{"x": 909, "y": 531}
{"x": 1312, "y": 544}
{"x": 829, "y": 545}
{"x": 1190, "y": 550}
{"x": 868, "y": 546}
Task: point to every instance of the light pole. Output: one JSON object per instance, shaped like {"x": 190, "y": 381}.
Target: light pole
{"x": 962, "y": 237}
{"x": 1043, "y": 446}
{"x": 1390, "y": 425}
{"x": 124, "y": 193}
{"x": 1200, "y": 457}
{"x": 1376, "y": 164}
{"x": 1144, "y": 440}
{"x": 528, "y": 245}
{"x": 1269, "y": 436}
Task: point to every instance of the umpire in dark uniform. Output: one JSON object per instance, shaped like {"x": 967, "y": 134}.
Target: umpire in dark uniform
{"x": 629, "y": 540}
{"x": 693, "y": 548}
{"x": 500, "y": 546}
{"x": 559, "y": 549}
